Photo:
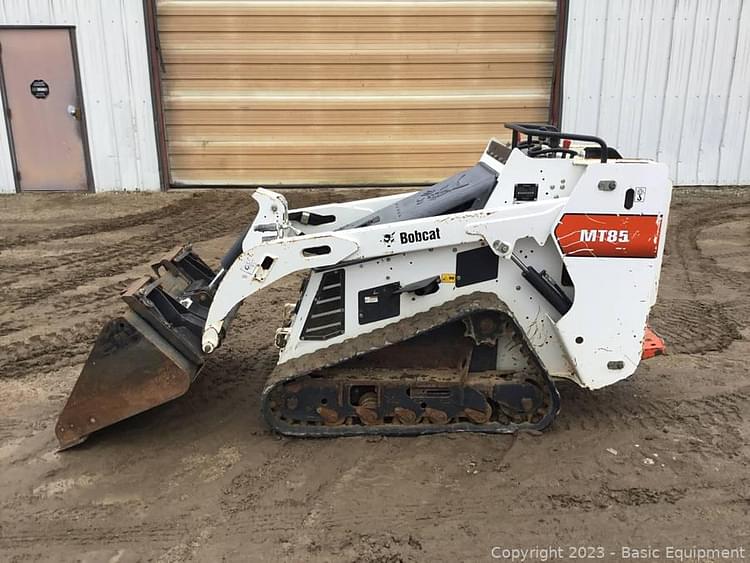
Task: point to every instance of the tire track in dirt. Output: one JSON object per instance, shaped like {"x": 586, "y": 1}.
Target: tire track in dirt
{"x": 64, "y": 514}
{"x": 691, "y": 220}
{"x": 156, "y": 232}
{"x": 12, "y": 427}
{"x": 159, "y": 221}
{"x": 314, "y": 517}
{"x": 101, "y": 226}
{"x": 9, "y": 327}
{"x": 75, "y": 306}
{"x": 91, "y": 302}
{"x": 108, "y": 260}
{"x": 163, "y": 533}
{"x": 306, "y": 518}
{"x": 46, "y": 353}
{"x": 607, "y": 497}
{"x": 246, "y": 489}
{"x": 738, "y": 311}
{"x": 690, "y": 326}
{"x": 614, "y": 407}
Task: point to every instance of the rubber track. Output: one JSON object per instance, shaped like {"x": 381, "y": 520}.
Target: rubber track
{"x": 396, "y": 332}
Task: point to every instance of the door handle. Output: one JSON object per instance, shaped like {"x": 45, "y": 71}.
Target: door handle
{"x": 75, "y": 112}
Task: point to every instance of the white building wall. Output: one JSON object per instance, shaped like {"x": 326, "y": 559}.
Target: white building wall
{"x": 113, "y": 64}
{"x": 664, "y": 79}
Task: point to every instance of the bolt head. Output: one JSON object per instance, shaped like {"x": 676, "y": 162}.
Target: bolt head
{"x": 501, "y": 247}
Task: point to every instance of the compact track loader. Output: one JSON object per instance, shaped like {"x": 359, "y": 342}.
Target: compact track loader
{"x": 454, "y": 308}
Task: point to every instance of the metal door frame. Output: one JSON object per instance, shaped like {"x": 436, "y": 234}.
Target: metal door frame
{"x": 84, "y": 129}
{"x": 156, "y": 68}
{"x": 558, "y": 65}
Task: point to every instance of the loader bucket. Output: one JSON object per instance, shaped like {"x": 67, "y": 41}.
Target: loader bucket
{"x": 146, "y": 357}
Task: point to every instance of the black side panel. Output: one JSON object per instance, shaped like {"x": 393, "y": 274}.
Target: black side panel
{"x": 326, "y": 317}
{"x": 474, "y": 266}
{"x": 525, "y": 192}
{"x": 377, "y": 303}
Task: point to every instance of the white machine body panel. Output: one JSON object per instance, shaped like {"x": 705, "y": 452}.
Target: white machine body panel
{"x": 596, "y": 231}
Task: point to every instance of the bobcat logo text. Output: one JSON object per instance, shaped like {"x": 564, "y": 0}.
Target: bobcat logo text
{"x": 419, "y": 236}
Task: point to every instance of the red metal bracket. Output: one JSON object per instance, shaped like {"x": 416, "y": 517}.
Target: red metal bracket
{"x": 653, "y": 344}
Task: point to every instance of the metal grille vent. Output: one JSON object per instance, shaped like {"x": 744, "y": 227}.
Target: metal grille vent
{"x": 326, "y": 317}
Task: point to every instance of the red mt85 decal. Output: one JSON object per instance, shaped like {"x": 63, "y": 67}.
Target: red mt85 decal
{"x": 604, "y": 235}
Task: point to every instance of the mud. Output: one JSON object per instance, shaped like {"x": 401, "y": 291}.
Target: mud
{"x": 203, "y": 479}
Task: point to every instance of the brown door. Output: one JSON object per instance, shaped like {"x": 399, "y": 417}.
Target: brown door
{"x": 43, "y": 103}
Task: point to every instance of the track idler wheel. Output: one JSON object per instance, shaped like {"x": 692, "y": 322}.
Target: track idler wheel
{"x": 330, "y": 417}
{"x": 367, "y": 410}
{"x": 477, "y": 416}
{"x": 436, "y": 416}
{"x": 405, "y": 416}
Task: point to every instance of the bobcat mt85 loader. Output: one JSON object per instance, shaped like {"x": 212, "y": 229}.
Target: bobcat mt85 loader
{"x": 450, "y": 309}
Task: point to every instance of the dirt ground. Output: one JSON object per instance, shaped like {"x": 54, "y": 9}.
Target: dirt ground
{"x": 658, "y": 460}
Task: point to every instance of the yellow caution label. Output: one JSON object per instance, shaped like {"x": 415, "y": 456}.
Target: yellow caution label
{"x": 448, "y": 278}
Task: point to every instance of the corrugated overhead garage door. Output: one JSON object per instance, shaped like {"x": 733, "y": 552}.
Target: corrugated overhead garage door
{"x": 358, "y": 93}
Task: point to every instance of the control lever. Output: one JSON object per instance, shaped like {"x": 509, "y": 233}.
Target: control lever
{"x": 421, "y": 287}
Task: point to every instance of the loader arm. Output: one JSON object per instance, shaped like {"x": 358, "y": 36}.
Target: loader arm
{"x": 261, "y": 265}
